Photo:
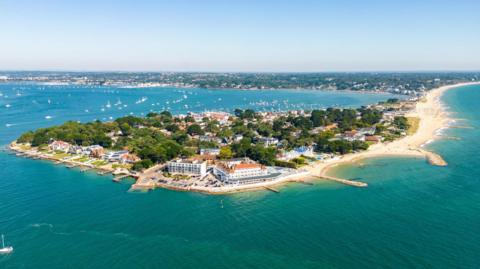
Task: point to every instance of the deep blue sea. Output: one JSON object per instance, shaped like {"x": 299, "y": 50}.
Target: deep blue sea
{"x": 412, "y": 215}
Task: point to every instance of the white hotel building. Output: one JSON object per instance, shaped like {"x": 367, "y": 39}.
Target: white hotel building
{"x": 188, "y": 167}
{"x": 241, "y": 173}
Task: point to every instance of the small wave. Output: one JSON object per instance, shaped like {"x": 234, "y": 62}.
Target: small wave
{"x": 426, "y": 143}
{"x": 38, "y": 225}
{"x": 440, "y": 131}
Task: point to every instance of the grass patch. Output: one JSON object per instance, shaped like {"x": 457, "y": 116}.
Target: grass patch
{"x": 414, "y": 123}
{"x": 62, "y": 155}
{"x": 125, "y": 166}
{"x": 82, "y": 159}
{"x": 24, "y": 147}
{"x": 99, "y": 163}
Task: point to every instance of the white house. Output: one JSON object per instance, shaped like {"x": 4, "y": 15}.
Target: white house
{"x": 242, "y": 173}
{"x": 295, "y": 153}
{"x": 269, "y": 141}
{"x": 210, "y": 151}
{"x": 59, "y": 145}
{"x": 114, "y": 156}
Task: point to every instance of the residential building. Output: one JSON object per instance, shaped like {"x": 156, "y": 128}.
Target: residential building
{"x": 353, "y": 136}
{"x": 128, "y": 158}
{"x": 59, "y": 145}
{"x": 210, "y": 151}
{"x": 372, "y": 138}
{"x": 269, "y": 141}
{"x": 74, "y": 149}
{"x": 114, "y": 156}
{"x": 295, "y": 153}
{"x": 367, "y": 130}
{"x": 96, "y": 151}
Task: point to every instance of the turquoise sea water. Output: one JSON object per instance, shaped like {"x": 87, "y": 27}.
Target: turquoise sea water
{"x": 412, "y": 215}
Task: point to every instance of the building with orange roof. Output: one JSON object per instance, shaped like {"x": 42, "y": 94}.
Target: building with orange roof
{"x": 241, "y": 173}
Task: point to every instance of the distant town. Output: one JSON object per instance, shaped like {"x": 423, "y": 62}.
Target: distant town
{"x": 413, "y": 84}
{"x": 217, "y": 150}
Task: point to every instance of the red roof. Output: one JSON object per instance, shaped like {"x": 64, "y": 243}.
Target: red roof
{"x": 241, "y": 166}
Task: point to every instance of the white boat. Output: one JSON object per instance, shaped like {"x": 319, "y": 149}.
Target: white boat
{"x": 5, "y": 250}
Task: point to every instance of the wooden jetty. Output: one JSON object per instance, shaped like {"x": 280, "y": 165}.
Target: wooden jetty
{"x": 103, "y": 172}
{"x": 120, "y": 177}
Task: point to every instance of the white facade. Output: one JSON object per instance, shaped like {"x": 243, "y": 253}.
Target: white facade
{"x": 114, "y": 156}
{"x": 210, "y": 151}
{"x": 269, "y": 141}
{"x": 188, "y": 167}
{"x": 60, "y": 146}
{"x": 241, "y": 173}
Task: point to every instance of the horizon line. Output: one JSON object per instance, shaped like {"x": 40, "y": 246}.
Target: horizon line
{"x": 243, "y": 72}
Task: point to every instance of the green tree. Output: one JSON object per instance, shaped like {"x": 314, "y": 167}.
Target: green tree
{"x": 401, "y": 122}
{"x": 195, "y": 129}
{"x": 225, "y": 153}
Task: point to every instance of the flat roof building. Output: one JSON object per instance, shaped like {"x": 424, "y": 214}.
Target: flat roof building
{"x": 188, "y": 167}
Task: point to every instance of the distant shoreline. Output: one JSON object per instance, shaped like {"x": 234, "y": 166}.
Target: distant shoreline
{"x": 204, "y": 88}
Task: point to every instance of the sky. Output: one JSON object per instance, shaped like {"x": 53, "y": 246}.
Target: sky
{"x": 240, "y": 35}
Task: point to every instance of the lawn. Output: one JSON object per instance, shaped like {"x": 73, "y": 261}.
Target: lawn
{"x": 414, "y": 123}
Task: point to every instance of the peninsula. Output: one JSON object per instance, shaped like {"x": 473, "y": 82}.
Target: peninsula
{"x": 217, "y": 152}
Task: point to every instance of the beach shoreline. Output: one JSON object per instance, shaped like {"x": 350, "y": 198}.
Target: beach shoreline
{"x": 433, "y": 116}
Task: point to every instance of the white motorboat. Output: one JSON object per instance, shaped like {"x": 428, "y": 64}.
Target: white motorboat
{"x": 4, "y": 249}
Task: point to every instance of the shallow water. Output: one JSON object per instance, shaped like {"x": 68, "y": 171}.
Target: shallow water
{"x": 411, "y": 215}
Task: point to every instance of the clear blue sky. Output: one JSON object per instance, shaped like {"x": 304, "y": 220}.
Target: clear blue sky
{"x": 242, "y": 35}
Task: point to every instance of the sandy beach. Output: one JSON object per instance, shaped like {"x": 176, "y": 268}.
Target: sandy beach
{"x": 433, "y": 116}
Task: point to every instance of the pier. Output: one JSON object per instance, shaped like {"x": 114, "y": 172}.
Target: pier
{"x": 344, "y": 181}
{"x": 103, "y": 172}
{"x": 120, "y": 177}
{"x": 84, "y": 169}
{"x": 71, "y": 166}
